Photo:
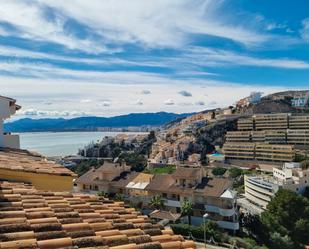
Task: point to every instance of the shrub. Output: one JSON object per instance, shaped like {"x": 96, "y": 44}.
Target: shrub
{"x": 235, "y": 172}
{"x": 212, "y": 230}
{"x": 218, "y": 171}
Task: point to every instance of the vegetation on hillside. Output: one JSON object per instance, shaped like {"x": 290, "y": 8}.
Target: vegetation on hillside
{"x": 85, "y": 165}
{"x": 285, "y": 223}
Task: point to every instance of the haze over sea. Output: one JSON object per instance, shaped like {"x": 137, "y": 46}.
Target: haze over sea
{"x": 60, "y": 143}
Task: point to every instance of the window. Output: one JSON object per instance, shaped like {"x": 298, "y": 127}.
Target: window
{"x": 84, "y": 186}
{"x": 96, "y": 187}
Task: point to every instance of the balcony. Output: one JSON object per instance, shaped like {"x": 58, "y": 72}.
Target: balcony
{"x": 222, "y": 211}
{"x": 228, "y": 225}
{"x": 172, "y": 203}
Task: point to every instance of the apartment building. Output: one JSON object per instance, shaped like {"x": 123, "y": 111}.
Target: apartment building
{"x": 238, "y": 136}
{"x": 260, "y": 189}
{"x": 258, "y": 136}
{"x": 259, "y": 151}
{"x": 234, "y": 150}
{"x": 271, "y": 121}
{"x": 274, "y": 152}
{"x": 245, "y": 124}
{"x": 299, "y": 122}
{"x": 209, "y": 195}
{"x": 300, "y": 137}
{"x": 8, "y": 107}
{"x": 281, "y": 121}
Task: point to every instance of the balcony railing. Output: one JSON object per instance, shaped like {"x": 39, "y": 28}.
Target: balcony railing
{"x": 221, "y": 211}
{"x": 171, "y": 203}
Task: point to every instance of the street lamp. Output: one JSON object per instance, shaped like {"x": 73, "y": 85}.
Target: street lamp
{"x": 205, "y": 216}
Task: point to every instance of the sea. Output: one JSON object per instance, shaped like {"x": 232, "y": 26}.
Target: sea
{"x": 52, "y": 144}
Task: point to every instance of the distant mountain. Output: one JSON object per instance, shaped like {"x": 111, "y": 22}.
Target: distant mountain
{"x": 92, "y": 123}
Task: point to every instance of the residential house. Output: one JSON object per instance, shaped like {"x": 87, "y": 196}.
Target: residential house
{"x": 208, "y": 195}
{"x": 99, "y": 179}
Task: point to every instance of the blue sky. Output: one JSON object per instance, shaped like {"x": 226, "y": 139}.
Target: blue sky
{"x": 105, "y": 57}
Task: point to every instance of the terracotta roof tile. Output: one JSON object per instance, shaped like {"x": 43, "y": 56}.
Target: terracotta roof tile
{"x": 36, "y": 219}
{"x": 22, "y": 160}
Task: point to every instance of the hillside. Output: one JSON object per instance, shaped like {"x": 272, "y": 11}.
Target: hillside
{"x": 92, "y": 123}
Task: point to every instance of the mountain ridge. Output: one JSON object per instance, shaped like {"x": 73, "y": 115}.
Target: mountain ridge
{"x": 92, "y": 123}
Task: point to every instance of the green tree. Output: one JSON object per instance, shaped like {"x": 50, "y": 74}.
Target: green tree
{"x": 187, "y": 210}
{"x": 102, "y": 194}
{"x": 115, "y": 152}
{"x": 137, "y": 161}
{"x": 305, "y": 164}
{"x": 288, "y": 215}
{"x": 156, "y": 202}
{"x": 218, "y": 171}
{"x": 279, "y": 242}
{"x": 235, "y": 172}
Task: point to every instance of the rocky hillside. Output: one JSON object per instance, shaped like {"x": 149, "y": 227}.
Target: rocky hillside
{"x": 191, "y": 138}
{"x": 276, "y": 103}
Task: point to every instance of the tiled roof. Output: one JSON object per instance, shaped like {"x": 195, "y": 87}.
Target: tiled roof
{"x": 160, "y": 182}
{"x": 123, "y": 180}
{"x": 35, "y": 219}
{"x": 164, "y": 215}
{"x": 214, "y": 186}
{"x": 187, "y": 173}
{"x": 22, "y": 160}
{"x": 93, "y": 174}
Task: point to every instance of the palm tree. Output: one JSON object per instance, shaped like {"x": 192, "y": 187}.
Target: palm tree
{"x": 156, "y": 202}
{"x": 187, "y": 210}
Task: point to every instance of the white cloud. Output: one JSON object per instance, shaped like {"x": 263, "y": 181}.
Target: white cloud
{"x": 200, "y": 103}
{"x": 65, "y": 94}
{"x": 169, "y": 102}
{"x": 106, "y": 103}
{"x": 47, "y": 113}
{"x": 139, "y": 102}
{"x": 305, "y": 30}
{"x": 216, "y": 57}
{"x": 146, "y": 92}
{"x": 31, "y": 22}
{"x": 185, "y": 93}
{"x": 86, "y": 101}
{"x": 154, "y": 23}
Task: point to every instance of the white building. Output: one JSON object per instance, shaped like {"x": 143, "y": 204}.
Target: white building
{"x": 260, "y": 189}
{"x": 8, "y": 107}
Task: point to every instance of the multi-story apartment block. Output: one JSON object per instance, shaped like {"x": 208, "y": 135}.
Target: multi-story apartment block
{"x": 245, "y": 124}
{"x": 298, "y": 137}
{"x": 274, "y": 152}
{"x": 238, "y": 136}
{"x": 239, "y": 151}
{"x": 271, "y": 121}
{"x": 260, "y": 189}
{"x": 299, "y": 122}
{"x": 259, "y": 151}
{"x": 258, "y": 136}
{"x": 281, "y": 121}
